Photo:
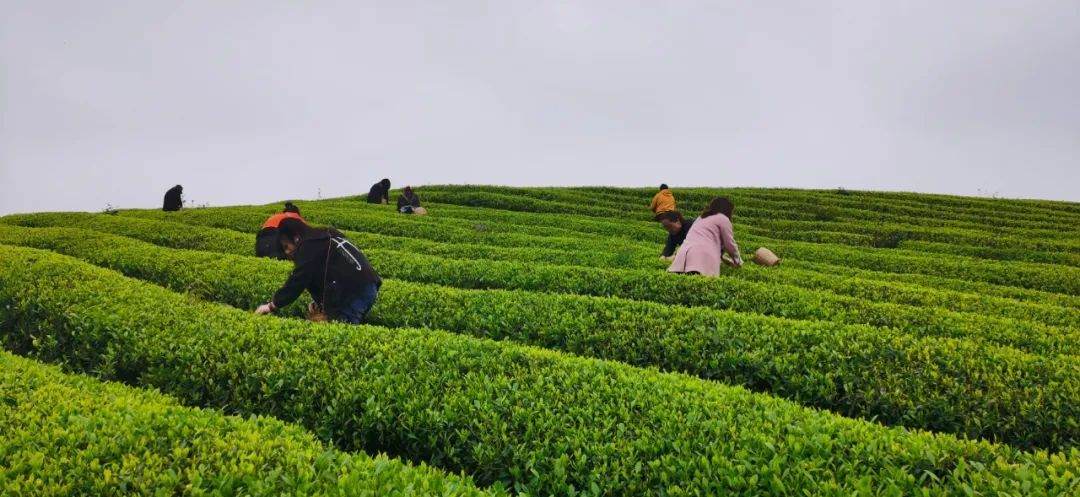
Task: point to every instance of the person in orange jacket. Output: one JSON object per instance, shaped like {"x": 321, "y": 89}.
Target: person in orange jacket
{"x": 266, "y": 242}
{"x": 663, "y": 202}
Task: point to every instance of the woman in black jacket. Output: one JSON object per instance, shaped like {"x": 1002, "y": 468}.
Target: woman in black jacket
{"x": 173, "y": 199}
{"x": 333, "y": 270}
{"x": 379, "y": 193}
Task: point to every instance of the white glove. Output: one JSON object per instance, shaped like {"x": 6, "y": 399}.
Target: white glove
{"x": 263, "y": 309}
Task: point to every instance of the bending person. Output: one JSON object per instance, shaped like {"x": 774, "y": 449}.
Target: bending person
{"x": 677, "y": 229}
{"x": 708, "y": 239}
{"x": 266, "y": 242}
{"x": 333, "y": 270}
{"x": 379, "y": 193}
{"x": 174, "y": 199}
{"x": 662, "y": 202}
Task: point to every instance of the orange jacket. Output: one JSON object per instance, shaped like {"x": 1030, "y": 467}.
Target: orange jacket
{"x": 276, "y": 219}
{"x": 663, "y": 201}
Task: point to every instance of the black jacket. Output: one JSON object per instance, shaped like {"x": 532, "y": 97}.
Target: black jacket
{"x": 345, "y": 275}
{"x": 378, "y": 193}
{"x": 676, "y": 239}
{"x": 413, "y": 201}
{"x": 173, "y": 201}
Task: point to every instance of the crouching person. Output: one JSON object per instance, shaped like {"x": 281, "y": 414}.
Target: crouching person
{"x": 333, "y": 270}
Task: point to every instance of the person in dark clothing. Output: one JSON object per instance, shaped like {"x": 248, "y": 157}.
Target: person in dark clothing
{"x": 380, "y": 192}
{"x": 333, "y": 270}
{"x": 173, "y": 199}
{"x": 677, "y": 228}
{"x": 266, "y": 241}
{"x": 408, "y": 201}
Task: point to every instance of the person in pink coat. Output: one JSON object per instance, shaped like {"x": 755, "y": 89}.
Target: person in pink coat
{"x": 709, "y": 238}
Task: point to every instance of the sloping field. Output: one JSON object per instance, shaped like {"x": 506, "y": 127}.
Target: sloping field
{"x": 529, "y": 341}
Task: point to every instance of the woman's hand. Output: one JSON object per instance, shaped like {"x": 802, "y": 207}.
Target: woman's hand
{"x": 264, "y": 309}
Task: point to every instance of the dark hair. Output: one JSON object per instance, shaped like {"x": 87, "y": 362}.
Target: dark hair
{"x": 674, "y": 216}
{"x": 663, "y": 186}
{"x": 720, "y": 205}
{"x": 385, "y": 183}
{"x": 289, "y": 207}
{"x": 291, "y": 228}
{"x": 407, "y": 191}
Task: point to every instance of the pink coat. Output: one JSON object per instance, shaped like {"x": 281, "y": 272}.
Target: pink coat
{"x": 707, "y": 240}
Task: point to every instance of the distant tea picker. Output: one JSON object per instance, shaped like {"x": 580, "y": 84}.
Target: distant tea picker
{"x": 174, "y": 199}
{"x": 409, "y": 202}
{"x": 663, "y": 202}
{"x": 379, "y": 192}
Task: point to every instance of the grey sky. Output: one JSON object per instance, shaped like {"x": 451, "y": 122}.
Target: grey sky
{"x": 254, "y": 101}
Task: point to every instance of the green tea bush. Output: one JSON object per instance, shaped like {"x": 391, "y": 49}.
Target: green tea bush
{"x": 954, "y": 386}
{"x": 1021, "y": 274}
{"x": 538, "y": 422}
{"x": 718, "y": 293}
{"x": 71, "y": 435}
{"x": 907, "y": 289}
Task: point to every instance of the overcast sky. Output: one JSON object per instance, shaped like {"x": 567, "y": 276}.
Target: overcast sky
{"x": 112, "y": 102}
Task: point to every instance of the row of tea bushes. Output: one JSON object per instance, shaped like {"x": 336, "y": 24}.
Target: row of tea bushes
{"x": 65, "y": 434}
{"x": 539, "y": 422}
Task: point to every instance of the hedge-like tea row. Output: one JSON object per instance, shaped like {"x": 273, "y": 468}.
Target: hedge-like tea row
{"x": 970, "y": 209}
{"x": 387, "y": 223}
{"x": 876, "y": 287}
{"x": 761, "y": 205}
{"x": 1024, "y": 274}
{"x": 723, "y": 293}
{"x": 731, "y": 294}
{"x": 538, "y": 421}
{"x": 650, "y": 232}
{"x": 71, "y": 435}
{"x": 800, "y": 217}
{"x": 1001, "y": 254}
{"x": 942, "y": 385}
{"x": 1028, "y": 275}
{"x": 757, "y": 212}
{"x": 918, "y": 206}
{"x": 831, "y": 206}
{"x": 231, "y": 240}
{"x": 886, "y": 289}
{"x": 858, "y": 284}
{"x": 778, "y": 228}
{"x": 929, "y": 283}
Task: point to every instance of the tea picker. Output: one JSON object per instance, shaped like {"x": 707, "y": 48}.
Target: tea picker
{"x": 331, "y": 268}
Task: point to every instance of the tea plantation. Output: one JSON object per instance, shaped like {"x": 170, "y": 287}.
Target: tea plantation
{"x": 528, "y": 341}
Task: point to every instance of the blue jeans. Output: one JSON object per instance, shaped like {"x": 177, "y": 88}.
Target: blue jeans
{"x": 356, "y": 310}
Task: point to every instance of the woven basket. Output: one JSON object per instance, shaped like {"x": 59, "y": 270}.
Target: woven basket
{"x": 765, "y": 257}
